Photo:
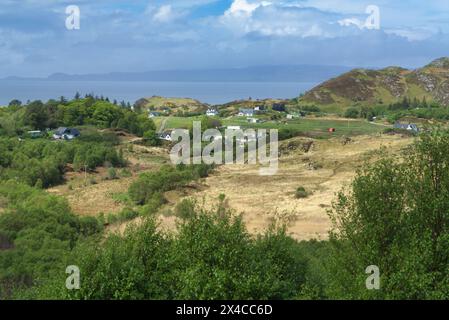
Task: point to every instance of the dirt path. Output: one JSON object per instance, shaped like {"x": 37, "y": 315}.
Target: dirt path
{"x": 162, "y": 126}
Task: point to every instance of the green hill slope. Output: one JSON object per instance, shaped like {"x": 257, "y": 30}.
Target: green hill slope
{"x": 369, "y": 87}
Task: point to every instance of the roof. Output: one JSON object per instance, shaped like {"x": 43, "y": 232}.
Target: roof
{"x": 247, "y": 110}
{"x": 166, "y": 132}
{"x": 63, "y": 130}
{"x": 409, "y": 126}
{"x": 60, "y": 131}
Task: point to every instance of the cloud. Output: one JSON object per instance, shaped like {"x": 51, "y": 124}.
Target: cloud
{"x": 243, "y": 8}
{"x": 270, "y": 19}
{"x": 166, "y": 14}
{"x": 164, "y": 34}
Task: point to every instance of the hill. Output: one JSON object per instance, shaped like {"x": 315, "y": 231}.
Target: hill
{"x": 384, "y": 86}
{"x": 172, "y": 105}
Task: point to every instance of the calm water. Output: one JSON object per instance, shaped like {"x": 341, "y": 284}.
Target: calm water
{"x": 209, "y": 92}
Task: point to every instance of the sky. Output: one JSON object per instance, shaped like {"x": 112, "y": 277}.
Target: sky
{"x": 144, "y": 35}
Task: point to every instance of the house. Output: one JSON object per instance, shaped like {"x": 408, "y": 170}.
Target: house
{"x": 293, "y": 116}
{"x": 66, "y": 133}
{"x": 166, "y": 135}
{"x": 332, "y": 130}
{"x": 165, "y": 109}
{"x": 410, "y": 127}
{"x": 259, "y": 108}
{"x": 154, "y": 114}
{"x": 246, "y": 113}
{"x": 34, "y": 134}
{"x": 212, "y": 112}
{"x": 233, "y": 128}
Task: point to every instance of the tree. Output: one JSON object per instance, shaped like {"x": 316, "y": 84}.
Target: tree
{"x": 151, "y": 138}
{"x": 351, "y": 113}
{"x": 36, "y": 115}
{"x": 396, "y": 217}
{"x": 15, "y": 103}
{"x": 211, "y": 256}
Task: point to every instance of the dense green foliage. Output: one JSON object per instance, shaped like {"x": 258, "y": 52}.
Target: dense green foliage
{"x": 42, "y": 162}
{"x": 396, "y": 111}
{"x": 37, "y": 231}
{"x": 203, "y": 261}
{"x": 396, "y": 216}
{"x": 150, "y": 185}
{"x": 78, "y": 112}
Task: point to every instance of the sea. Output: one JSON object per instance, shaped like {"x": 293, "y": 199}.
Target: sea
{"x": 207, "y": 92}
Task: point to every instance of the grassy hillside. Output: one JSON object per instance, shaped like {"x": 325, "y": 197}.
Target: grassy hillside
{"x": 318, "y": 127}
{"x": 172, "y": 105}
{"x": 362, "y": 87}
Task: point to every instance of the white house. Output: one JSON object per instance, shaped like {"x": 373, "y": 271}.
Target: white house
{"x": 212, "y": 112}
{"x": 246, "y": 113}
{"x": 410, "y": 127}
{"x": 233, "y": 128}
{"x": 154, "y": 114}
{"x": 66, "y": 133}
{"x": 166, "y": 135}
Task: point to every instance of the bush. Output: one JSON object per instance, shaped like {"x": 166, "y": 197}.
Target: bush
{"x": 211, "y": 251}
{"x": 41, "y": 231}
{"x": 352, "y": 113}
{"x": 395, "y": 216}
{"x": 151, "y": 138}
{"x": 301, "y": 193}
{"x": 168, "y": 178}
{"x": 185, "y": 209}
{"x": 112, "y": 173}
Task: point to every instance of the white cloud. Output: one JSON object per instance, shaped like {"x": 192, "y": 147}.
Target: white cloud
{"x": 244, "y": 8}
{"x": 283, "y": 19}
{"x": 166, "y": 13}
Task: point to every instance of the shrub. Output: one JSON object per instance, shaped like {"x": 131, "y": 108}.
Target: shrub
{"x": 395, "y": 216}
{"x": 168, "y": 178}
{"x": 352, "y": 113}
{"x": 185, "y": 209}
{"x": 112, "y": 173}
{"x": 301, "y": 193}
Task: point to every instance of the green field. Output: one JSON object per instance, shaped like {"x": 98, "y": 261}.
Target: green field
{"x": 314, "y": 126}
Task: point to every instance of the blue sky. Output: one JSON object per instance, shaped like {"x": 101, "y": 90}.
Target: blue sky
{"x": 140, "y": 35}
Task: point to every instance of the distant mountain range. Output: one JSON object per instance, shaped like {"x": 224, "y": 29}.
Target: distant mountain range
{"x": 294, "y": 73}
{"x": 370, "y": 87}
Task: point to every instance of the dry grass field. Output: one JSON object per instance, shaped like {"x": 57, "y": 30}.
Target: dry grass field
{"x": 323, "y": 171}
{"x": 326, "y": 168}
